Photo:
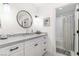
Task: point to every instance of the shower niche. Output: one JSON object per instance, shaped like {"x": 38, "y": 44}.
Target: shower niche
{"x": 65, "y": 29}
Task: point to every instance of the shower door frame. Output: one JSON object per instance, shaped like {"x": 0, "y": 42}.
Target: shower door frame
{"x": 76, "y": 29}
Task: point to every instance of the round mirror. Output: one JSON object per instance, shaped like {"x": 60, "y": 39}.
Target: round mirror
{"x": 24, "y": 19}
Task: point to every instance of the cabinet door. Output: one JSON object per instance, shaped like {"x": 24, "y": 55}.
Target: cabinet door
{"x": 36, "y": 50}
{"x": 35, "y": 47}
{"x": 31, "y": 48}
{"x": 30, "y": 51}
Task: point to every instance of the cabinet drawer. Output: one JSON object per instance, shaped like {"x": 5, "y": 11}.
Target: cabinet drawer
{"x": 33, "y": 49}
{"x": 11, "y": 49}
{"x": 36, "y": 40}
{"x": 32, "y": 42}
{"x": 16, "y": 48}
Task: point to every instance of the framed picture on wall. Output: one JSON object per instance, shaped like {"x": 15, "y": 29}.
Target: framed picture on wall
{"x": 47, "y": 21}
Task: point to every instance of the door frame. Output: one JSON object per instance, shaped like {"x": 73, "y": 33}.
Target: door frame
{"x": 76, "y": 28}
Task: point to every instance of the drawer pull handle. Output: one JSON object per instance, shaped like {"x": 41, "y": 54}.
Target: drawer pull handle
{"x": 36, "y": 45}
{"x": 45, "y": 49}
{"x": 14, "y": 49}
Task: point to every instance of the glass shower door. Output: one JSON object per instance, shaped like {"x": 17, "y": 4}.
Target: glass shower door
{"x": 66, "y": 24}
{"x": 69, "y": 32}
{"x": 65, "y": 34}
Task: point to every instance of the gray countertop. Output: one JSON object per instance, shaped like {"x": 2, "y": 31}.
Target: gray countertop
{"x": 18, "y": 38}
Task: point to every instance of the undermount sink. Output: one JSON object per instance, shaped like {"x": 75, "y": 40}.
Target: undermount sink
{"x": 3, "y": 37}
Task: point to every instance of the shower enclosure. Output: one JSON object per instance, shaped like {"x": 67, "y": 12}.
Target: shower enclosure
{"x": 65, "y": 29}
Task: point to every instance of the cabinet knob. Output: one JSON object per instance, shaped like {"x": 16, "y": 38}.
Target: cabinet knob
{"x": 36, "y": 45}
{"x": 77, "y": 31}
{"x": 45, "y": 49}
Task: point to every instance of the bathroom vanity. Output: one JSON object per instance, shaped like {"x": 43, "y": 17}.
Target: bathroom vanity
{"x": 24, "y": 45}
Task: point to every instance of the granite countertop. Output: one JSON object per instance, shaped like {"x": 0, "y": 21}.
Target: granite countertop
{"x": 18, "y": 38}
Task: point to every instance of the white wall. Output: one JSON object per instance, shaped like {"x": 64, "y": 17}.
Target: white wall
{"x": 59, "y": 32}
{"x": 8, "y": 17}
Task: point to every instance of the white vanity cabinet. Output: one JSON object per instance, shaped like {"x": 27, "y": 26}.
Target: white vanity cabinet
{"x": 36, "y": 47}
